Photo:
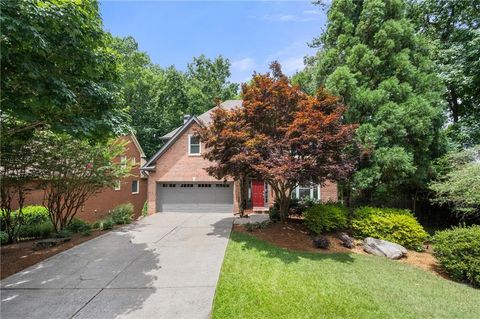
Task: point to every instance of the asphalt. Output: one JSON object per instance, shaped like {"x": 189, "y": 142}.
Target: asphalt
{"x": 164, "y": 266}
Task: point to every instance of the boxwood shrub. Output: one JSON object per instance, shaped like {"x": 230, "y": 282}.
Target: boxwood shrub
{"x": 326, "y": 217}
{"x": 395, "y": 225}
{"x": 122, "y": 214}
{"x": 458, "y": 251}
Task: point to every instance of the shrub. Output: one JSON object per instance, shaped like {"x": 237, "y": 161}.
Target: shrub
{"x": 296, "y": 207}
{"x": 122, "y": 214}
{"x": 458, "y": 251}
{"x": 97, "y": 224}
{"x": 78, "y": 226}
{"x": 42, "y": 230}
{"x": 326, "y": 217}
{"x": 3, "y": 238}
{"x": 64, "y": 233}
{"x": 107, "y": 224}
{"x": 254, "y": 226}
{"x": 34, "y": 215}
{"x": 87, "y": 232}
{"x": 145, "y": 209}
{"x": 396, "y": 225}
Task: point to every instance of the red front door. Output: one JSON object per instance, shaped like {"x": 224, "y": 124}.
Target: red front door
{"x": 258, "y": 199}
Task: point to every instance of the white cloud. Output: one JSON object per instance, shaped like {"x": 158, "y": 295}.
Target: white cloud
{"x": 292, "y": 65}
{"x": 243, "y": 64}
{"x": 314, "y": 12}
{"x": 287, "y": 18}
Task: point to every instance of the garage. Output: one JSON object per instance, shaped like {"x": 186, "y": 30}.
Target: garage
{"x": 198, "y": 197}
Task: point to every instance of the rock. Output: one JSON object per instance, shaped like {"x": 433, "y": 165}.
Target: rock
{"x": 346, "y": 240}
{"x": 383, "y": 248}
{"x": 47, "y": 243}
{"x": 321, "y": 242}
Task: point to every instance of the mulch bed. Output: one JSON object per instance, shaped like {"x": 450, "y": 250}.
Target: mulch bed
{"x": 17, "y": 257}
{"x": 293, "y": 235}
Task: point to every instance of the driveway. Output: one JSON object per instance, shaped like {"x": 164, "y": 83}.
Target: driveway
{"x": 164, "y": 266}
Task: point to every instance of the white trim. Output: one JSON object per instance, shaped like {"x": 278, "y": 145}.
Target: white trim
{"x": 297, "y": 192}
{"x": 123, "y": 161}
{"x": 118, "y": 185}
{"x": 138, "y": 186}
{"x": 199, "y": 146}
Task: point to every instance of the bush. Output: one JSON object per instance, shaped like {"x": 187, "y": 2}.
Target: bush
{"x": 78, "y": 226}
{"x": 64, "y": 233}
{"x": 3, "y": 238}
{"x": 145, "y": 209}
{"x": 122, "y": 214}
{"x": 34, "y": 215}
{"x": 296, "y": 207}
{"x": 42, "y": 230}
{"x": 254, "y": 226}
{"x": 107, "y": 224}
{"x": 395, "y": 225}
{"x": 458, "y": 251}
{"x": 87, "y": 232}
{"x": 326, "y": 217}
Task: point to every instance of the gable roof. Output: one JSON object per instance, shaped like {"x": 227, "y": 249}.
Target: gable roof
{"x": 137, "y": 144}
{"x": 206, "y": 118}
{"x": 178, "y": 132}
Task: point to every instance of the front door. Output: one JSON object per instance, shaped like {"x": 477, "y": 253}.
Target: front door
{"x": 258, "y": 199}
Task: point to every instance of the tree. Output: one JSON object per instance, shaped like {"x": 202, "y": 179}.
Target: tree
{"x": 452, "y": 26}
{"x": 16, "y": 162}
{"x": 225, "y": 143}
{"x": 57, "y": 70}
{"x": 458, "y": 184}
{"x": 371, "y": 56}
{"x": 293, "y": 138}
{"x": 208, "y": 80}
{"x": 72, "y": 170}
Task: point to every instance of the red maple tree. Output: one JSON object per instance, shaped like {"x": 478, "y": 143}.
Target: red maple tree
{"x": 282, "y": 135}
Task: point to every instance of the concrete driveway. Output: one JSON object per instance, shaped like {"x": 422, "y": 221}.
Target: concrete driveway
{"x": 164, "y": 266}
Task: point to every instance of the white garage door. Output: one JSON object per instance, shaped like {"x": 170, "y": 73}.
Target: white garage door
{"x": 198, "y": 197}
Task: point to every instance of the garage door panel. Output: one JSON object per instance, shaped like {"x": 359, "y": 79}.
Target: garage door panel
{"x": 171, "y": 197}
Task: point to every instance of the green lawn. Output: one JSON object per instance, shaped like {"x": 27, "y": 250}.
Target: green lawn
{"x": 259, "y": 280}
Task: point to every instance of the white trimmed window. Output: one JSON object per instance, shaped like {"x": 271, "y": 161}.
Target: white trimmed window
{"x": 123, "y": 161}
{"x": 194, "y": 145}
{"x": 135, "y": 187}
{"x": 310, "y": 192}
{"x": 117, "y": 185}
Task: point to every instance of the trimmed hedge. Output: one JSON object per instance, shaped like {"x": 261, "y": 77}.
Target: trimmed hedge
{"x": 42, "y": 230}
{"x": 395, "y": 225}
{"x": 326, "y": 217}
{"x": 458, "y": 251}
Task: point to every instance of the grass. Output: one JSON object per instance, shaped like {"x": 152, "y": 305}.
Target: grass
{"x": 259, "y": 280}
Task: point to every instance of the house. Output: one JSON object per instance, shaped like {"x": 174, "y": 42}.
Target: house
{"x": 178, "y": 181}
{"x": 131, "y": 189}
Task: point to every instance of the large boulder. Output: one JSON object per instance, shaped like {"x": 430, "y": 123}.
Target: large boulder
{"x": 383, "y": 248}
{"x": 346, "y": 240}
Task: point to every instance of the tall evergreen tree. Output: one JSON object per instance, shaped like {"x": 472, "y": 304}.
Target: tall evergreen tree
{"x": 371, "y": 56}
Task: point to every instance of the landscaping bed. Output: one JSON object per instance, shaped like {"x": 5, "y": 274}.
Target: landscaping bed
{"x": 294, "y": 235}
{"x": 17, "y": 257}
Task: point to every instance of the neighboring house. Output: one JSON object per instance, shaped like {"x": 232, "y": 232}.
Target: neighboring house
{"x": 178, "y": 182}
{"x": 131, "y": 189}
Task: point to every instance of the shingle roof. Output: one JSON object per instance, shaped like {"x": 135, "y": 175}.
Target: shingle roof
{"x": 206, "y": 118}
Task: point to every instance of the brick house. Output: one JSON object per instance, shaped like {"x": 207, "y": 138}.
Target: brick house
{"x": 178, "y": 182}
{"x": 131, "y": 189}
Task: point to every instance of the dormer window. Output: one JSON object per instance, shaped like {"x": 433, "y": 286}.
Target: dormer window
{"x": 194, "y": 147}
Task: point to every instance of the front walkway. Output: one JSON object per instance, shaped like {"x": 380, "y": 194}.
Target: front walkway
{"x": 164, "y": 266}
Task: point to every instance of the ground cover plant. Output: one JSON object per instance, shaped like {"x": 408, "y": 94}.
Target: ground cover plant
{"x": 284, "y": 284}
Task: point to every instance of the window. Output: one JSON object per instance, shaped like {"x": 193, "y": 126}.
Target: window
{"x": 186, "y": 185}
{"x": 204, "y": 185}
{"x": 310, "y": 192}
{"x": 194, "y": 147}
{"x": 123, "y": 161}
{"x": 135, "y": 187}
{"x": 117, "y": 185}
{"x": 134, "y": 161}
{"x": 222, "y": 185}
{"x": 168, "y": 185}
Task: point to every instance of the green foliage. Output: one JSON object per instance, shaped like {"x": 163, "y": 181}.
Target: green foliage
{"x": 326, "y": 217}
{"x": 78, "y": 226}
{"x": 458, "y": 251}
{"x": 254, "y": 226}
{"x": 34, "y": 214}
{"x": 57, "y": 69}
{"x": 372, "y": 57}
{"x": 87, "y": 232}
{"x": 3, "y": 238}
{"x": 41, "y": 230}
{"x": 394, "y": 225}
{"x": 458, "y": 184}
{"x": 107, "y": 224}
{"x": 122, "y": 214}
{"x": 145, "y": 209}
{"x": 64, "y": 233}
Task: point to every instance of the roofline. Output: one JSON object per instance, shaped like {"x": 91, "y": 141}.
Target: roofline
{"x": 137, "y": 144}
{"x": 166, "y": 146}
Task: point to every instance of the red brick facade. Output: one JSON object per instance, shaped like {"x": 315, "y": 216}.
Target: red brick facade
{"x": 98, "y": 206}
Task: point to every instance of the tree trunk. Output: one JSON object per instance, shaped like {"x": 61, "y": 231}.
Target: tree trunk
{"x": 242, "y": 201}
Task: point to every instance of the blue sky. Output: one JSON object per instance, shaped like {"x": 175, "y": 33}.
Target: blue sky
{"x": 249, "y": 33}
